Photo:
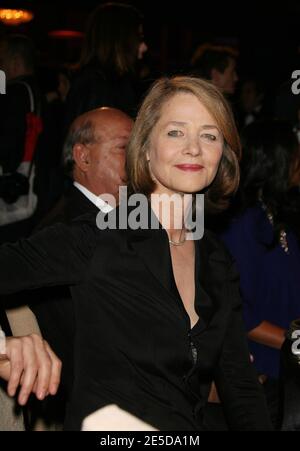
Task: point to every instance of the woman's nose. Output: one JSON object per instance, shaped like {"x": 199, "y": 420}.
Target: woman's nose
{"x": 193, "y": 147}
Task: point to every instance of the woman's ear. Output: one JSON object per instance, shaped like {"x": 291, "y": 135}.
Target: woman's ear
{"x": 81, "y": 156}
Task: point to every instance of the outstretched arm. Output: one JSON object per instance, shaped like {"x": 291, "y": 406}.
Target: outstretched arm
{"x": 29, "y": 362}
{"x": 58, "y": 255}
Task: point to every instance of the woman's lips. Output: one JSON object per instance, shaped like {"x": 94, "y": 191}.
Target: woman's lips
{"x": 189, "y": 167}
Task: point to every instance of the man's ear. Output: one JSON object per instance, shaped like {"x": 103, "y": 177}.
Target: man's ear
{"x": 81, "y": 156}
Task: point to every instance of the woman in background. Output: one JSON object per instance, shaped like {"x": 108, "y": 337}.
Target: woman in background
{"x": 114, "y": 43}
{"x": 263, "y": 238}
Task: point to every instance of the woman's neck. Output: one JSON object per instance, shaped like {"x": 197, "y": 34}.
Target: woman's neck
{"x": 171, "y": 210}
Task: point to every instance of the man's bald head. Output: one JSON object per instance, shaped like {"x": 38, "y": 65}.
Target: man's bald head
{"x": 87, "y": 127}
{"x": 95, "y": 149}
{"x": 100, "y": 117}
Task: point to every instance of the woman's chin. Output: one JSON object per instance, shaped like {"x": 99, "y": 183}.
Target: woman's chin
{"x": 191, "y": 189}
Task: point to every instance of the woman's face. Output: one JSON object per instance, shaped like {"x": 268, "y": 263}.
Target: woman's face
{"x": 186, "y": 147}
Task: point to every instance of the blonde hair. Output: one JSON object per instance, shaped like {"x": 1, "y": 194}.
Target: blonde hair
{"x": 227, "y": 178}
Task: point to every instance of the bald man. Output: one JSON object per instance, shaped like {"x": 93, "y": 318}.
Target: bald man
{"x": 94, "y": 155}
{"x": 95, "y": 150}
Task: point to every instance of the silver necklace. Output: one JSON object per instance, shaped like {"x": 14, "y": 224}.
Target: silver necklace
{"x": 282, "y": 234}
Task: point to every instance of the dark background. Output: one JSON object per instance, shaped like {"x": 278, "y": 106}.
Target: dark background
{"x": 266, "y": 34}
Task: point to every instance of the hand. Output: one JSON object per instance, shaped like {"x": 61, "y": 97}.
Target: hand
{"x": 31, "y": 363}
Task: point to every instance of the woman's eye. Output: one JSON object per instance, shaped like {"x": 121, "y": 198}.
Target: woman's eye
{"x": 209, "y": 137}
{"x": 175, "y": 133}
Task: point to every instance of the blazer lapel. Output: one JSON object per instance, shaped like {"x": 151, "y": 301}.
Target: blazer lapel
{"x": 212, "y": 274}
{"x": 210, "y": 278}
{"x": 152, "y": 247}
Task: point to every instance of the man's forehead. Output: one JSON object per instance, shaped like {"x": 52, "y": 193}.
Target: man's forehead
{"x": 111, "y": 137}
{"x": 112, "y": 129}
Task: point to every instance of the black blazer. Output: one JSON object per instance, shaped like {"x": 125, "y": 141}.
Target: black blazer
{"x": 53, "y": 307}
{"x": 134, "y": 346}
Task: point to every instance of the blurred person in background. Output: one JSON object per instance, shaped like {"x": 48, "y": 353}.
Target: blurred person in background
{"x": 250, "y": 102}
{"x": 114, "y": 43}
{"x": 263, "y": 237}
{"x": 217, "y": 64}
{"x": 20, "y": 129}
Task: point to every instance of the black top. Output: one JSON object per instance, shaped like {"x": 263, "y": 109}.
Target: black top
{"x": 92, "y": 88}
{"x": 133, "y": 343}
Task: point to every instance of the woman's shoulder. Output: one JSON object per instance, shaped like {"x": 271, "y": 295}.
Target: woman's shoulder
{"x": 98, "y": 225}
{"x": 216, "y": 247}
{"x": 223, "y": 265}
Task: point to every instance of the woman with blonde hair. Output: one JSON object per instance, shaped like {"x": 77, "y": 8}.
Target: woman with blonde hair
{"x": 159, "y": 313}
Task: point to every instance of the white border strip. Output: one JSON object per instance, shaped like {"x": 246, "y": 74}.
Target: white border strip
{"x": 2, "y": 343}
